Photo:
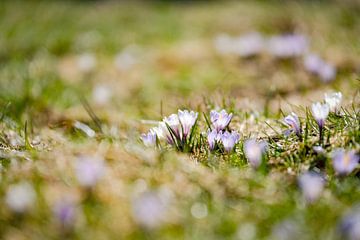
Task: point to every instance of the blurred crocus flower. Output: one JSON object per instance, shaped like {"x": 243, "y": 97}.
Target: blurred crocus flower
{"x": 187, "y": 120}
{"x": 220, "y": 120}
{"x": 89, "y": 170}
{"x": 320, "y": 112}
{"x": 149, "y": 209}
{"x": 344, "y": 162}
{"x": 174, "y": 124}
{"x": 229, "y": 140}
{"x": 254, "y": 152}
{"x": 20, "y": 197}
{"x": 248, "y": 45}
{"x": 86, "y": 62}
{"x": 312, "y": 63}
{"x": 212, "y": 138}
{"x": 311, "y": 185}
{"x": 149, "y": 139}
{"x": 287, "y": 46}
{"x": 315, "y": 65}
{"x": 65, "y": 212}
{"x": 327, "y": 72}
{"x": 333, "y": 100}
{"x": 293, "y": 121}
{"x": 350, "y": 224}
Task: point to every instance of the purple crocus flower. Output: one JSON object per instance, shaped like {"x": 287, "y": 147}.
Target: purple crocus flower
{"x": 350, "y": 224}
{"x": 313, "y": 63}
{"x": 65, "y": 212}
{"x": 287, "y": 46}
{"x": 174, "y": 124}
{"x": 187, "y": 120}
{"x": 229, "y": 140}
{"x": 293, "y": 121}
{"x": 254, "y": 152}
{"x": 327, "y": 72}
{"x": 220, "y": 120}
{"x": 212, "y": 138}
{"x": 344, "y": 162}
{"x": 149, "y": 139}
{"x": 311, "y": 185}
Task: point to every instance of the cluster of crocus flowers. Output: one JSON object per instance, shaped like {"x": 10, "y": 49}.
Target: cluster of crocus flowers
{"x": 317, "y": 66}
{"x": 312, "y": 185}
{"x": 293, "y": 121}
{"x": 255, "y": 152}
{"x": 176, "y": 129}
{"x": 218, "y": 135}
{"x": 344, "y": 162}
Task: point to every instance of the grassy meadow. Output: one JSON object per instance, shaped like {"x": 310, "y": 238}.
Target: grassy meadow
{"x": 81, "y": 81}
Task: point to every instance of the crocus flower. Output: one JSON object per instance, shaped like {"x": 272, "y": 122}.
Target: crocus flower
{"x": 320, "y": 113}
{"x": 333, "y": 100}
{"x": 149, "y": 139}
{"x": 212, "y": 138}
{"x": 20, "y": 197}
{"x": 327, "y": 72}
{"x": 350, "y": 224}
{"x": 312, "y": 63}
{"x": 311, "y": 185}
{"x": 220, "y": 120}
{"x": 344, "y": 162}
{"x": 187, "y": 120}
{"x": 174, "y": 124}
{"x": 287, "y": 46}
{"x": 229, "y": 140}
{"x": 248, "y": 45}
{"x": 89, "y": 170}
{"x": 254, "y": 152}
{"x": 64, "y": 212}
{"x": 293, "y": 121}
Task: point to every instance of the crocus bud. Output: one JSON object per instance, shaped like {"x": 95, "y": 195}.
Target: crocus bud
{"x": 320, "y": 112}
{"x": 293, "y": 121}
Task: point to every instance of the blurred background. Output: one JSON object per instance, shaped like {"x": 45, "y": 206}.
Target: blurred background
{"x": 138, "y": 57}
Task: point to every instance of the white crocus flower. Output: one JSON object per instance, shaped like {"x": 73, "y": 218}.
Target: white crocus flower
{"x": 333, "y": 100}
{"x": 187, "y": 120}
{"x": 320, "y": 112}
